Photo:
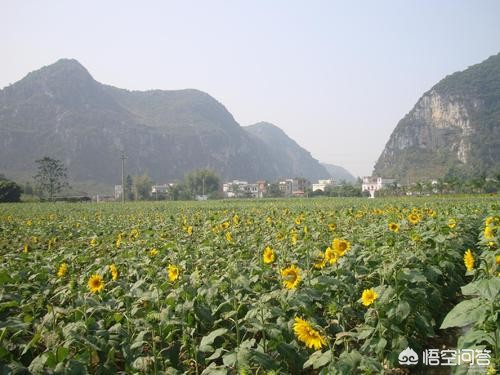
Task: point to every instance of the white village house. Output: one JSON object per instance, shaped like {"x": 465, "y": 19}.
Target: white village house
{"x": 373, "y": 184}
{"x": 323, "y": 184}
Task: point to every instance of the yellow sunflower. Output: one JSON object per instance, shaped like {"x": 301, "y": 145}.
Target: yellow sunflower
{"x": 153, "y": 252}
{"x": 269, "y": 256}
{"x": 236, "y": 220}
{"x": 413, "y": 218}
{"x": 332, "y": 226}
{"x": 469, "y": 260}
{"x": 229, "y": 237}
{"x": 63, "y": 269}
{"x": 173, "y": 272}
{"x": 491, "y": 220}
{"x": 114, "y": 271}
{"x": 394, "y": 227}
{"x": 321, "y": 261}
{"x": 340, "y": 246}
{"x": 96, "y": 283}
{"x": 307, "y": 334}
{"x": 488, "y": 232}
{"x": 497, "y": 260}
{"x": 452, "y": 223}
{"x": 369, "y": 296}
{"x": 331, "y": 256}
{"x": 431, "y": 212}
{"x": 291, "y": 276}
{"x": 118, "y": 242}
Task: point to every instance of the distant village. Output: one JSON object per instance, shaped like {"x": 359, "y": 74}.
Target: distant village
{"x": 288, "y": 187}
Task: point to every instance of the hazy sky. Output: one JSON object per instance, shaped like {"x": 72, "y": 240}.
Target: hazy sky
{"x": 336, "y": 76}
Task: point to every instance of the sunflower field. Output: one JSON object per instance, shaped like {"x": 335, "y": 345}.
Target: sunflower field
{"x": 328, "y": 286}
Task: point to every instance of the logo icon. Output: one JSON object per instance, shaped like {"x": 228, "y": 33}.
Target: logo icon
{"x": 408, "y": 357}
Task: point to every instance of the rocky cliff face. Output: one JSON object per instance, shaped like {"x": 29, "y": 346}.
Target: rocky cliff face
{"x": 453, "y": 128}
{"x": 62, "y": 112}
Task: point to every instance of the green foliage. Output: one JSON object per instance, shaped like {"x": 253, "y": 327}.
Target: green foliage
{"x": 142, "y": 187}
{"x": 228, "y": 311}
{"x": 480, "y": 308}
{"x": 202, "y": 182}
{"x": 344, "y": 190}
{"x": 9, "y": 191}
{"x": 274, "y": 191}
{"x": 51, "y": 177}
{"x": 128, "y": 190}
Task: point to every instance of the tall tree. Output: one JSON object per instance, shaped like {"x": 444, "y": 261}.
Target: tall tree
{"x": 127, "y": 190}
{"x": 142, "y": 187}
{"x": 9, "y": 191}
{"x": 202, "y": 182}
{"x": 51, "y": 177}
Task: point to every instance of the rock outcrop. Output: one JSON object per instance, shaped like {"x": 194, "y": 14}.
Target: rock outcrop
{"x": 453, "y": 129}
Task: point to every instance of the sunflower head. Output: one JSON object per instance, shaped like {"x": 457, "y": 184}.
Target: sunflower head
{"x": 96, "y": 283}
{"x": 320, "y": 260}
{"x": 413, "y": 218}
{"x": 153, "y": 252}
{"x": 393, "y": 227}
{"x": 331, "y": 256}
{"x": 488, "y": 232}
{"x": 340, "y": 246}
{"x": 492, "y": 220}
{"x": 307, "y": 334}
{"x": 368, "y": 297}
{"x": 236, "y": 219}
{"x": 269, "y": 256}
{"x": 63, "y": 269}
{"x": 452, "y": 223}
{"x": 469, "y": 260}
{"x": 291, "y": 276}
{"x": 173, "y": 272}
{"x": 431, "y": 212}
{"x": 114, "y": 271}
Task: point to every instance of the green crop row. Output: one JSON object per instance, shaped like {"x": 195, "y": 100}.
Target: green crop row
{"x": 317, "y": 286}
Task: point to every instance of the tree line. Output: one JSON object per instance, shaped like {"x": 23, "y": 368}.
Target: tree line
{"x": 52, "y": 178}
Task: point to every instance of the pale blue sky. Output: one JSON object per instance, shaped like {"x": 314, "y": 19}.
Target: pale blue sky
{"x": 336, "y": 76}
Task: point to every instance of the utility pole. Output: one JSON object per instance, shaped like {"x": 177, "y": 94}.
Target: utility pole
{"x": 123, "y": 157}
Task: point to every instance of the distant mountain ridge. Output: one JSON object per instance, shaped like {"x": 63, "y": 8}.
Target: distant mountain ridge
{"x": 339, "y": 173}
{"x": 62, "y": 112}
{"x": 454, "y": 129}
{"x": 298, "y": 161}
